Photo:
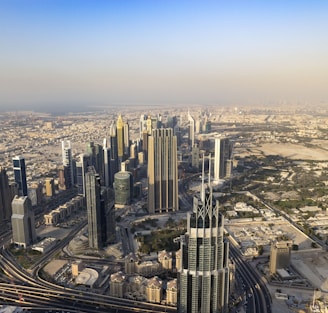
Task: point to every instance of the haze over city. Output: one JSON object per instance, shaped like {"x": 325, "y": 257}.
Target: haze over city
{"x": 70, "y": 55}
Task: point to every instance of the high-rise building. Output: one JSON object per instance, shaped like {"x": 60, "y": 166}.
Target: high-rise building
{"x": 162, "y": 171}
{"x": 20, "y": 175}
{"x": 92, "y": 195}
{"x": 204, "y": 271}
{"x": 106, "y": 152}
{"x": 50, "y": 187}
{"x": 126, "y": 140}
{"x": 222, "y": 158}
{"x": 5, "y": 197}
{"x": 22, "y": 221}
{"x": 142, "y": 124}
{"x": 191, "y": 130}
{"x": 120, "y": 137}
{"x": 195, "y": 157}
{"x": 100, "y": 211}
{"x": 123, "y": 187}
{"x": 280, "y": 254}
{"x": 113, "y": 160}
{"x": 68, "y": 163}
{"x": 81, "y": 168}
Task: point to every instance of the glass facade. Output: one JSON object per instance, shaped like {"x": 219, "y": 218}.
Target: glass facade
{"x": 204, "y": 274}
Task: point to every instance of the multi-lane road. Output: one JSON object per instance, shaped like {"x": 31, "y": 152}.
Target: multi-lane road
{"x": 24, "y": 290}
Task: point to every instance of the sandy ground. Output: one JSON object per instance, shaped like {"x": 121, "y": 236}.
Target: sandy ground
{"x": 293, "y": 151}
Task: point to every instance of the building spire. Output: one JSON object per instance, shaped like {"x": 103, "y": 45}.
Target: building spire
{"x": 209, "y": 170}
{"x": 202, "y": 195}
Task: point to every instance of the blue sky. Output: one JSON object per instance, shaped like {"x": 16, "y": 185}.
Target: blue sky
{"x": 73, "y": 53}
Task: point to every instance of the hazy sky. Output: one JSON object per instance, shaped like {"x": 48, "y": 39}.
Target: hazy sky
{"x": 70, "y": 53}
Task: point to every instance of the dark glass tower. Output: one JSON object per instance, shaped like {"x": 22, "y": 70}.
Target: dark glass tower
{"x": 20, "y": 175}
{"x": 92, "y": 195}
{"x": 162, "y": 171}
{"x": 5, "y": 197}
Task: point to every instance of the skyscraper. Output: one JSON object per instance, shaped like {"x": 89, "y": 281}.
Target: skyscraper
{"x": 92, "y": 195}
{"x": 22, "y": 220}
{"x": 162, "y": 171}
{"x": 222, "y": 158}
{"x": 113, "y": 161}
{"x": 81, "y": 168}
{"x": 126, "y": 140}
{"x": 20, "y": 175}
{"x": 142, "y": 124}
{"x": 204, "y": 272}
{"x": 280, "y": 254}
{"x": 120, "y": 137}
{"x": 5, "y": 197}
{"x": 68, "y": 163}
{"x": 191, "y": 130}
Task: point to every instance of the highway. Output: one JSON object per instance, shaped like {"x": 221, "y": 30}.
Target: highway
{"x": 257, "y": 297}
{"x": 24, "y": 290}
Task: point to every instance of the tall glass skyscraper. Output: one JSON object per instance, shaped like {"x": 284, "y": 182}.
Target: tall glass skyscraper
{"x": 20, "y": 175}
{"x": 162, "y": 171}
{"x": 222, "y": 158}
{"x": 92, "y": 195}
{"x": 68, "y": 163}
{"x": 204, "y": 272}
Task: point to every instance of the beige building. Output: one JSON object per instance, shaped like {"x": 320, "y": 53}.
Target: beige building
{"x": 77, "y": 268}
{"x": 165, "y": 258}
{"x": 154, "y": 290}
{"x": 63, "y": 212}
{"x": 172, "y": 292}
{"x": 130, "y": 263}
{"x": 117, "y": 285}
{"x": 280, "y": 254}
{"x": 178, "y": 259}
{"x": 148, "y": 268}
{"x": 50, "y": 187}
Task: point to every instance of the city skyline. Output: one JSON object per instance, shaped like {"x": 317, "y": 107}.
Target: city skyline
{"x": 69, "y": 56}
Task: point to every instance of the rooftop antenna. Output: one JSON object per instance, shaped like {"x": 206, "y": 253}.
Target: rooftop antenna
{"x": 202, "y": 195}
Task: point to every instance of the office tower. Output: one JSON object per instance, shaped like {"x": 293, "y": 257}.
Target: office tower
{"x": 114, "y": 161}
{"x": 223, "y": 158}
{"x": 92, "y": 194}
{"x": 191, "y": 130}
{"x": 133, "y": 150}
{"x": 207, "y": 126}
{"x": 142, "y": 124}
{"x": 123, "y": 187}
{"x": 145, "y": 136}
{"x": 152, "y": 123}
{"x": 68, "y": 163}
{"x": 280, "y": 254}
{"x": 81, "y": 168}
{"x": 61, "y": 178}
{"x": 22, "y": 221}
{"x": 106, "y": 152}
{"x": 5, "y": 197}
{"x": 120, "y": 138}
{"x": 195, "y": 157}
{"x": 126, "y": 140}
{"x": 198, "y": 126}
{"x": 100, "y": 211}
{"x": 204, "y": 271}
{"x": 96, "y": 158}
{"x": 35, "y": 193}
{"x": 171, "y": 121}
{"x": 162, "y": 171}
{"x": 20, "y": 175}
{"x": 50, "y": 187}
